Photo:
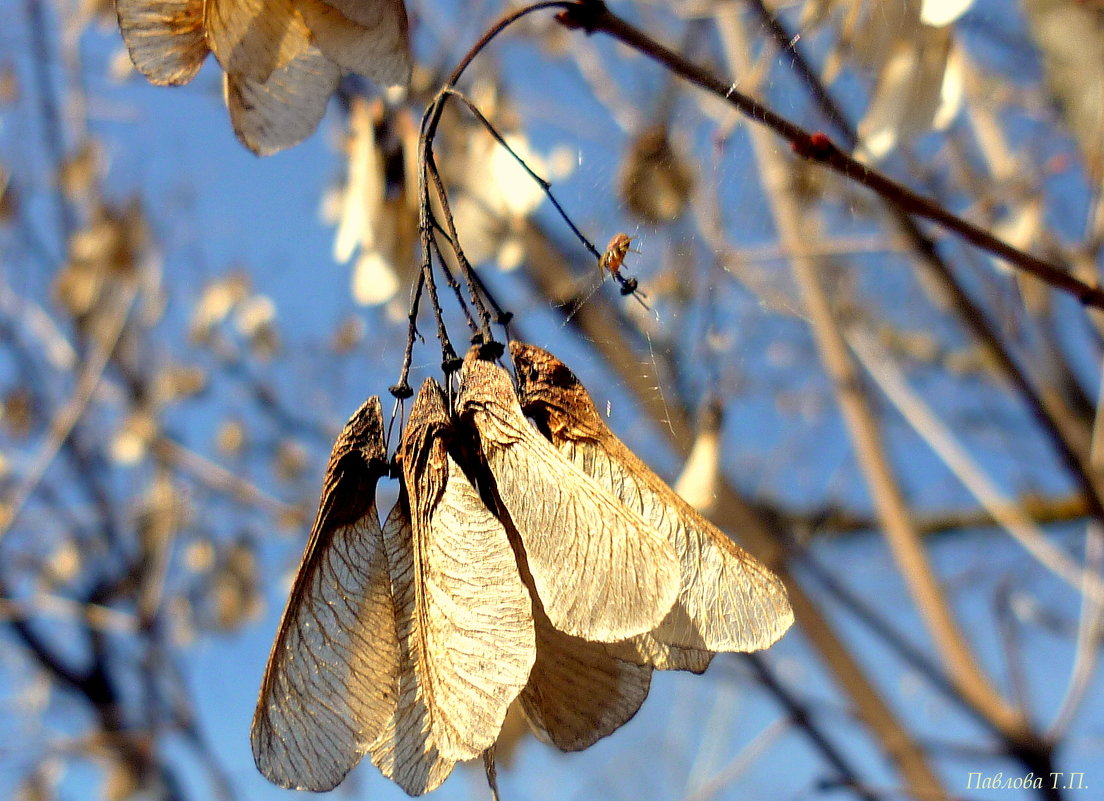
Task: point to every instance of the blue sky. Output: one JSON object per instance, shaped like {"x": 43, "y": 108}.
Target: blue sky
{"x": 216, "y": 207}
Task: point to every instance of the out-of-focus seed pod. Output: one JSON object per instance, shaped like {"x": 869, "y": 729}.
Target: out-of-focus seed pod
{"x": 656, "y": 181}
{"x": 697, "y": 484}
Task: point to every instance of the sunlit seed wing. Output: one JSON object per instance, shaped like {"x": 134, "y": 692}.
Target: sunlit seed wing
{"x": 469, "y": 628}
{"x": 480, "y": 620}
{"x": 728, "y": 601}
{"x": 284, "y": 110}
{"x": 406, "y": 750}
{"x": 578, "y": 693}
{"x": 646, "y": 649}
{"x": 368, "y": 37}
{"x": 600, "y": 571}
{"x": 165, "y": 38}
{"x": 253, "y": 38}
{"x": 330, "y": 684}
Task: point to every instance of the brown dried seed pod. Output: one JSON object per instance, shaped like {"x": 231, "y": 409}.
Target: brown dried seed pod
{"x": 329, "y": 687}
{"x": 655, "y": 181}
{"x": 578, "y": 693}
{"x": 166, "y": 39}
{"x": 368, "y": 37}
{"x": 465, "y": 624}
{"x": 406, "y": 750}
{"x": 728, "y": 601}
{"x": 600, "y": 571}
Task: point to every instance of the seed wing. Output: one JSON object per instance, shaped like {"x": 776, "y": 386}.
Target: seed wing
{"x": 601, "y": 572}
{"x": 368, "y": 37}
{"x": 728, "y": 601}
{"x": 254, "y": 38}
{"x": 647, "y": 649}
{"x": 578, "y": 693}
{"x": 479, "y": 622}
{"x": 466, "y": 620}
{"x": 329, "y": 686}
{"x": 406, "y": 750}
{"x": 272, "y": 115}
{"x": 165, "y": 38}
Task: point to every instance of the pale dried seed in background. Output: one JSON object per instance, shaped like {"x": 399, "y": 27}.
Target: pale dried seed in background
{"x": 269, "y": 116}
{"x": 282, "y": 58}
{"x": 252, "y": 39}
{"x": 700, "y": 478}
{"x": 368, "y": 37}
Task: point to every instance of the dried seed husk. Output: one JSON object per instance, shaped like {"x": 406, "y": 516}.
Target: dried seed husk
{"x": 329, "y": 687}
{"x": 368, "y": 37}
{"x": 253, "y": 38}
{"x": 465, "y": 623}
{"x": 600, "y": 571}
{"x": 655, "y": 181}
{"x": 728, "y": 600}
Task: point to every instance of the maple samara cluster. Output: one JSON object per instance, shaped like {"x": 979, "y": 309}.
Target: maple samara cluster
{"x": 540, "y": 564}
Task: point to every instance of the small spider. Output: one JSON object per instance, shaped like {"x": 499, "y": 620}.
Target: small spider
{"x": 611, "y": 262}
{"x": 614, "y": 256}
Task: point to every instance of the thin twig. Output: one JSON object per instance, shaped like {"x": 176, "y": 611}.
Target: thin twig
{"x": 802, "y": 717}
{"x": 430, "y": 167}
{"x": 545, "y": 185}
{"x": 1089, "y": 629}
{"x": 594, "y": 17}
{"x": 740, "y": 762}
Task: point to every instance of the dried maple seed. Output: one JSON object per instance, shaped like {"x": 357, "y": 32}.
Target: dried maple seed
{"x": 577, "y": 692}
{"x": 600, "y": 571}
{"x": 329, "y": 687}
{"x": 465, "y": 623}
{"x": 282, "y": 58}
{"x": 728, "y": 601}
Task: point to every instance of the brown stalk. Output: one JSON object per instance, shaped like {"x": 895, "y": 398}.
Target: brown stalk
{"x": 831, "y": 520}
{"x": 862, "y": 425}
